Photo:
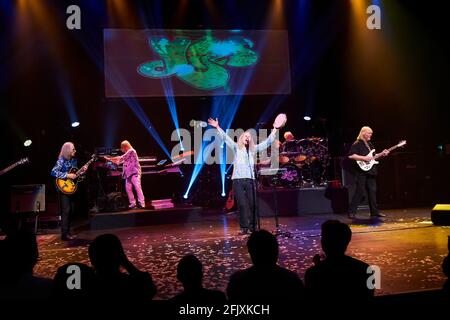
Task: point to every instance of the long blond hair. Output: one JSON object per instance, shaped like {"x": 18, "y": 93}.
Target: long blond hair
{"x": 241, "y": 143}
{"x": 361, "y": 132}
{"x": 66, "y": 150}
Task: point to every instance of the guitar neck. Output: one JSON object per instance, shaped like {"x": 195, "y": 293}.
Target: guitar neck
{"x": 390, "y": 149}
{"x": 393, "y": 148}
{"x": 83, "y": 168}
{"x": 8, "y": 168}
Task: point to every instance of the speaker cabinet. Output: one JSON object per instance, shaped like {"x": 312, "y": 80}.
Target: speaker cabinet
{"x": 440, "y": 215}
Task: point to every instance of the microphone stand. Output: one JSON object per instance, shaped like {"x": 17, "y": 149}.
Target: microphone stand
{"x": 255, "y": 218}
{"x": 278, "y": 230}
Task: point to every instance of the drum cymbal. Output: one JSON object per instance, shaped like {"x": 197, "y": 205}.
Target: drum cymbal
{"x": 300, "y": 158}
{"x": 290, "y": 153}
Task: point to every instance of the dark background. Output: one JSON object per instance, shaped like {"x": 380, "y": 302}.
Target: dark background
{"x": 402, "y": 98}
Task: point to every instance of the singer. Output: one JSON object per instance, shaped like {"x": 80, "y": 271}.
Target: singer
{"x": 245, "y": 151}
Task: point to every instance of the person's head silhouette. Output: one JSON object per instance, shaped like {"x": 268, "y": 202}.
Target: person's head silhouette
{"x": 106, "y": 253}
{"x": 335, "y": 237}
{"x": 263, "y": 248}
{"x": 190, "y": 272}
{"x": 66, "y": 284}
{"x": 446, "y": 261}
{"x": 23, "y": 249}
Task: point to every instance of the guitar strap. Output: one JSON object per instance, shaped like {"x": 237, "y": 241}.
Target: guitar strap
{"x": 367, "y": 145}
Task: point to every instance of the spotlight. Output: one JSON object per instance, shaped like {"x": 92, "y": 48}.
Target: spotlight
{"x": 27, "y": 143}
{"x": 75, "y": 124}
{"x": 307, "y": 118}
{"x": 185, "y": 196}
{"x": 182, "y": 148}
{"x": 223, "y": 194}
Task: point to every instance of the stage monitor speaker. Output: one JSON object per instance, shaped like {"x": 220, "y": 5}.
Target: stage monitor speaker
{"x": 28, "y": 198}
{"x": 112, "y": 202}
{"x": 440, "y": 215}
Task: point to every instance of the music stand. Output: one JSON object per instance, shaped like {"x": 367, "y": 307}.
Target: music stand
{"x": 28, "y": 199}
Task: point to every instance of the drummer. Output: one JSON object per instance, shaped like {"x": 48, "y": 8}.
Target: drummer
{"x": 289, "y": 144}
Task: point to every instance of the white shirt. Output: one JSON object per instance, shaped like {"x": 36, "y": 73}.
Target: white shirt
{"x": 244, "y": 162}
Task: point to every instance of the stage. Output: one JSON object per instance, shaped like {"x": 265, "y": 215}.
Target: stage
{"x": 270, "y": 202}
{"x": 405, "y": 245}
{"x": 145, "y": 217}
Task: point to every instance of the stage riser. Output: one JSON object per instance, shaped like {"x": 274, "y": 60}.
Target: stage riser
{"x": 294, "y": 202}
{"x": 130, "y": 219}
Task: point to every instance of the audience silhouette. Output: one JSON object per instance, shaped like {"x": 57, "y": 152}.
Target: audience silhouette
{"x": 446, "y": 270}
{"x": 338, "y": 278}
{"x": 107, "y": 257}
{"x": 265, "y": 281}
{"x": 19, "y": 257}
{"x": 67, "y": 288}
{"x": 190, "y": 274}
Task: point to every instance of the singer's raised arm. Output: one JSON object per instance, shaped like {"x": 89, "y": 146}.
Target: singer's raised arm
{"x": 223, "y": 135}
{"x": 266, "y": 143}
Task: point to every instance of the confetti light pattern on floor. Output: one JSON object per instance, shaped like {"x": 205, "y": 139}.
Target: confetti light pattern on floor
{"x": 407, "y": 248}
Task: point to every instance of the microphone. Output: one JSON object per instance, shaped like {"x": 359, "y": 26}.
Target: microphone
{"x": 198, "y": 123}
{"x": 247, "y": 146}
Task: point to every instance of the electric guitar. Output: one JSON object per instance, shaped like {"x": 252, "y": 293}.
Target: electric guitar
{"x": 367, "y": 165}
{"x": 21, "y": 161}
{"x": 69, "y": 186}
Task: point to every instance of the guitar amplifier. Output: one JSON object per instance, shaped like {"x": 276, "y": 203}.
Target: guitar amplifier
{"x": 440, "y": 215}
{"x": 28, "y": 198}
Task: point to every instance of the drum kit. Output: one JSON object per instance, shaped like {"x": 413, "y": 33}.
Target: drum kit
{"x": 302, "y": 163}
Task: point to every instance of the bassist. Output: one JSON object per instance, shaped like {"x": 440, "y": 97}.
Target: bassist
{"x": 365, "y": 181}
{"x": 64, "y": 164}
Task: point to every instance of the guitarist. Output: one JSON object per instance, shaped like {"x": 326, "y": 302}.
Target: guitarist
{"x": 65, "y": 162}
{"x": 365, "y": 181}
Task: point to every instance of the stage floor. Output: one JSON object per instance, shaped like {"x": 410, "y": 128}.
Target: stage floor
{"x": 406, "y": 246}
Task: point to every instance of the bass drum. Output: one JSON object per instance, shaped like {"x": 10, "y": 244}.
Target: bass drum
{"x": 288, "y": 176}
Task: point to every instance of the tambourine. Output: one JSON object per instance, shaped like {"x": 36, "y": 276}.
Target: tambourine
{"x": 280, "y": 121}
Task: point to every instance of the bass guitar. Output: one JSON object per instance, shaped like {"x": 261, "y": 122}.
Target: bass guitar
{"x": 21, "y": 161}
{"x": 70, "y": 186}
{"x": 367, "y": 165}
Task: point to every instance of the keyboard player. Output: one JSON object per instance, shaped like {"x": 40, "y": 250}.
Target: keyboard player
{"x": 132, "y": 173}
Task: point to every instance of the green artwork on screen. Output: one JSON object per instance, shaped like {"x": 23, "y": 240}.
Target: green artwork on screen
{"x": 201, "y": 63}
